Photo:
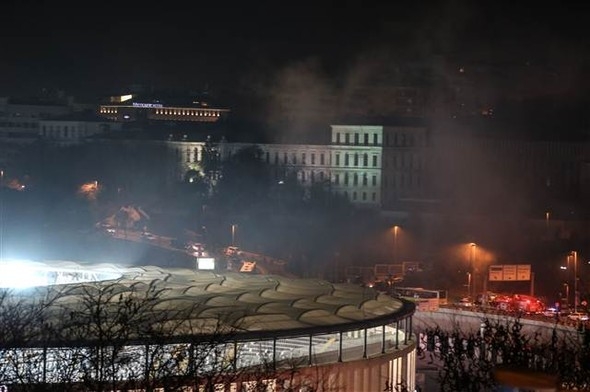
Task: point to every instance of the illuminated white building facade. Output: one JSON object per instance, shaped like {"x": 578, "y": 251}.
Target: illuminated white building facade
{"x": 371, "y": 165}
{"x": 129, "y": 108}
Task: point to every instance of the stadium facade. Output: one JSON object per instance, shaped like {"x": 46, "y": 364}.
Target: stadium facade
{"x": 106, "y": 327}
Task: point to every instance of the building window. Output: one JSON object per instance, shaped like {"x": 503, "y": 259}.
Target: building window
{"x": 347, "y": 138}
{"x": 337, "y": 179}
{"x": 356, "y": 159}
{"x": 374, "y": 180}
{"x": 294, "y": 161}
{"x": 312, "y": 158}
{"x": 346, "y": 160}
{"x": 337, "y": 159}
{"x": 312, "y": 177}
{"x": 276, "y": 158}
{"x": 338, "y": 138}
{"x": 303, "y": 158}
{"x": 195, "y": 154}
{"x": 366, "y": 136}
{"x": 356, "y": 138}
{"x": 322, "y": 159}
{"x": 355, "y": 179}
{"x": 365, "y": 179}
{"x": 364, "y": 196}
{"x": 365, "y": 160}
{"x": 321, "y": 176}
{"x": 345, "y": 178}
{"x": 354, "y": 195}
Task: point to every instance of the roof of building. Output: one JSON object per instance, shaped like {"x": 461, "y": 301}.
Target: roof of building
{"x": 246, "y": 305}
{"x": 169, "y": 99}
{"x": 82, "y": 116}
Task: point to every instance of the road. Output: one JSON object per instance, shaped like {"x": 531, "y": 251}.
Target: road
{"x": 265, "y": 265}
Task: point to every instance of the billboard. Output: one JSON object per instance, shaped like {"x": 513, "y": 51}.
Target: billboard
{"x": 205, "y": 263}
{"x": 509, "y": 273}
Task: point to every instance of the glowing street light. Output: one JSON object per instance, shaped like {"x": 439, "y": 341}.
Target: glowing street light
{"x": 574, "y": 254}
{"x": 395, "y": 230}
{"x": 472, "y": 247}
{"x": 233, "y": 233}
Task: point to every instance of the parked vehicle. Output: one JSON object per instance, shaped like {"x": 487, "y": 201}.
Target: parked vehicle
{"x": 578, "y": 316}
{"x": 517, "y": 303}
{"x": 465, "y": 303}
{"x": 551, "y": 312}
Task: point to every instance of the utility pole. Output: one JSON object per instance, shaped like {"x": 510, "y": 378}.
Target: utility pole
{"x": 576, "y": 294}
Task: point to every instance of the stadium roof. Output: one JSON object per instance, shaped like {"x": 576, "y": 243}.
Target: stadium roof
{"x": 252, "y": 306}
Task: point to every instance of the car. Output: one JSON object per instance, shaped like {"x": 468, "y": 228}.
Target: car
{"x": 465, "y": 303}
{"x": 578, "y": 316}
{"x": 550, "y": 312}
{"x": 149, "y": 236}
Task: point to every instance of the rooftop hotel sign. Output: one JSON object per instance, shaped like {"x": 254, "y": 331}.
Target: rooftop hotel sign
{"x": 147, "y": 105}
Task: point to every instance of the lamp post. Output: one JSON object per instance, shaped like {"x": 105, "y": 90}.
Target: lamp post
{"x": 574, "y": 254}
{"x": 473, "y": 269}
{"x": 395, "y": 230}
{"x": 567, "y": 293}
{"x": 233, "y": 233}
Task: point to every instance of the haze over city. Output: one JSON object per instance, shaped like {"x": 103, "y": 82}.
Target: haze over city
{"x": 321, "y": 141}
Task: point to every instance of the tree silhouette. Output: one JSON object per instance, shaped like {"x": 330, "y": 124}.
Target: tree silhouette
{"x": 468, "y": 361}
{"x": 116, "y": 336}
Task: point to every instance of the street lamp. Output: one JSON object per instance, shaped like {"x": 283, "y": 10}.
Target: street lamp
{"x": 567, "y": 293}
{"x": 574, "y": 254}
{"x": 395, "y": 230}
{"x": 233, "y": 233}
{"x": 473, "y": 269}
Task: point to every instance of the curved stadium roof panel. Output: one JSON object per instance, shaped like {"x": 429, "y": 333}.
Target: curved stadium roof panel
{"x": 202, "y": 302}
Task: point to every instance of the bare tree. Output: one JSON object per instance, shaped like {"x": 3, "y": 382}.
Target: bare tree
{"x": 116, "y": 336}
{"x": 468, "y": 361}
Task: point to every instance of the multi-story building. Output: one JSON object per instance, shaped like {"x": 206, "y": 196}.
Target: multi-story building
{"x": 76, "y": 127}
{"x": 371, "y": 165}
{"x": 389, "y": 165}
{"x": 134, "y": 108}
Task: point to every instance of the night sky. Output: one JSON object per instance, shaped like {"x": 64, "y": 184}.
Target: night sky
{"x": 241, "y": 49}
